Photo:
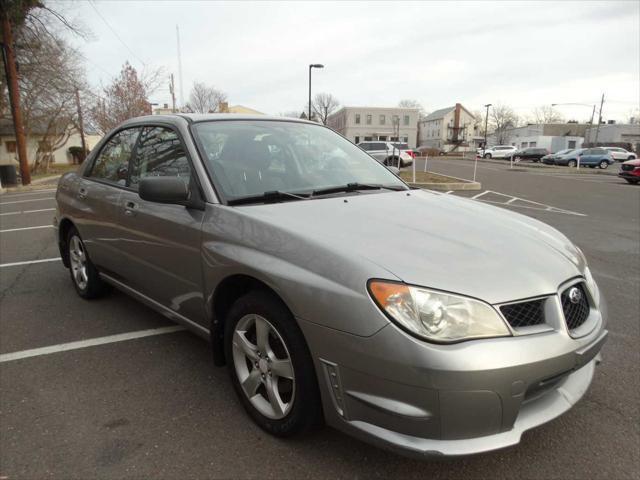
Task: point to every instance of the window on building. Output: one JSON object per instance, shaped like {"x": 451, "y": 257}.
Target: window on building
{"x": 532, "y": 144}
{"x": 356, "y": 139}
{"x": 523, "y": 145}
{"x": 393, "y": 139}
{"x": 382, "y": 119}
{"x": 11, "y": 146}
{"x": 396, "y": 120}
{"x": 405, "y": 139}
{"x": 368, "y": 119}
{"x": 357, "y": 119}
{"x": 571, "y": 144}
{"x": 382, "y": 137}
{"x": 368, "y": 139}
{"x": 159, "y": 154}
{"x": 406, "y": 120}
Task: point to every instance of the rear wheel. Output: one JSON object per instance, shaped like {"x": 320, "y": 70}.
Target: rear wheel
{"x": 84, "y": 275}
{"x": 604, "y": 164}
{"x": 572, "y": 163}
{"x": 270, "y": 365}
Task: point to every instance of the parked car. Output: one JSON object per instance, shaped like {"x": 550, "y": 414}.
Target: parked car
{"x": 499, "y": 151}
{"x": 630, "y": 171}
{"x": 588, "y": 157}
{"x": 387, "y": 154}
{"x": 405, "y": 148}
{"x": 299, "y": 258}
{"x": 620, "y": 154}
{"x": 550, "y": 158}
{"x": 534, "y": 154}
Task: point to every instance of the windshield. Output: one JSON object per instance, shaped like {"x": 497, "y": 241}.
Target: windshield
{"x": 251, "y": 157}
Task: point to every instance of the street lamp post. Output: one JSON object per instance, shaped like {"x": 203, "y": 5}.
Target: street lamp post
{"x": 486, "y": 125}
{"x": 313, "y": 65}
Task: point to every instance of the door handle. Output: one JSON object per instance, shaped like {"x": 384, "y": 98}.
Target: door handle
{"x": 82, "y": 193}
{"x": 130, "y": 208}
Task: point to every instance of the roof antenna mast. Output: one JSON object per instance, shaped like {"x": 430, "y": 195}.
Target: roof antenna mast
{"x": 180, "y": 68}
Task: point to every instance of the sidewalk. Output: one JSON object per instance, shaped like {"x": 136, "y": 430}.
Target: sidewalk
{"x": 37, "y": 184}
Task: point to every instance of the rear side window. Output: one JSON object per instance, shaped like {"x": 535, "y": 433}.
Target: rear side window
{"x": 379, "y": 146}
{"x": 112, "y": 164}
{"x": 364, "y": 146}
{"x": 159, "y": 154}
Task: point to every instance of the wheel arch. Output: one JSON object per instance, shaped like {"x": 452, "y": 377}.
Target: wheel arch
{"x": 63, "y": 232}
{"x": 225, "y": 294}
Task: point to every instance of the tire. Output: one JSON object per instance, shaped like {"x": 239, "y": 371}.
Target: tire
{"x": 487, "y": 155}
{"x": 572, "y": 163}
{"x": 280, "y": 405}
{"x": 632, "y": 182}
{"x": 631, "y": 157}
{"x": 84, "y": 275}
{"x": 603, "y": 165}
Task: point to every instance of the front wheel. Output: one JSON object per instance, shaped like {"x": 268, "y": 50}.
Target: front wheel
{"x": 487, "y": 155}
{"x": 84, "y": 275}
{"x": 270, "y": 365}
{"x": 604, "y": 164}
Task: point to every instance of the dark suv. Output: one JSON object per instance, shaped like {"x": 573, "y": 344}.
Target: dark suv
{"x": 532, "y": 153}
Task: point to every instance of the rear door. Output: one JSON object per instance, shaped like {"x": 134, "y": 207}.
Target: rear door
{"x": 98, "y": 194}
{"x": 161, "y": 243}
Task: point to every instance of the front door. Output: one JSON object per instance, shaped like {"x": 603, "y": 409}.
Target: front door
{"x": 160, "y": 243}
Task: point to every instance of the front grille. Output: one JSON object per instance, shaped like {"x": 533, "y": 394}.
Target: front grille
{"x": 525, "y": 314}
{"x": 575, "y": 310}
{"x": 627, "y": 168}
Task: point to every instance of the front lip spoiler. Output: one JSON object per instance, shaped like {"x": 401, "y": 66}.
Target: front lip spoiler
{"x": 532, "y": 414}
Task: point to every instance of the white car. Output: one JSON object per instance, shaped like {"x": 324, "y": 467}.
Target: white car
{"x": 620, "y": 154}
{"x": 386, "y": 153}
{"x": 500, "y": 151}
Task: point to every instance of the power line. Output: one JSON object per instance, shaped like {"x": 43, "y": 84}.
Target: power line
{"x": 92, "y": 3}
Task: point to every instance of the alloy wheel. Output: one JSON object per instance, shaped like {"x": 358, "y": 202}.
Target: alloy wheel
{"x": 78, "y": 260}
{"x": 263, "y": 366}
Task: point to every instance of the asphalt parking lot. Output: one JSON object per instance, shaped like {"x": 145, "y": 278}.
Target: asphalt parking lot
{"x": 156, "y": 407}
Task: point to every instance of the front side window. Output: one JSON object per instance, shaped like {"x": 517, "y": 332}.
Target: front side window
{"x": 112, "y": 164}
{"x": 251, "y": 157}
{"x": 159, "y": 154}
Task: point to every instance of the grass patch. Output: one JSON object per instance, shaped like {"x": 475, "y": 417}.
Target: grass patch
{"x": 426, "y": 177}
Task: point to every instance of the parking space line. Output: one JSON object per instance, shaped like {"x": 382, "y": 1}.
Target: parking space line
{"x": 64, "y": 347}
{"x": 30, "y": 200}
{"x": 25, "y": 228}
{"x": 38, "y": 192}
{"x": 29, "y": 211}
{"x": 17, "y": 264}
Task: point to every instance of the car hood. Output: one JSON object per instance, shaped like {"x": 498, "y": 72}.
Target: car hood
{"x": 635, "y": 163}
{"x": 434, "y": 240}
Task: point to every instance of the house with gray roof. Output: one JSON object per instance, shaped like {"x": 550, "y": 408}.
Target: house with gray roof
{"x": 448, "y": 129}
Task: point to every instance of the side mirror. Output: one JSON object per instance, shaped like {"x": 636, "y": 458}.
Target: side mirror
{"x": 174, "y": 190}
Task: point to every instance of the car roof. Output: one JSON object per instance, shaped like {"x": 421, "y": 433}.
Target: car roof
{"x": 177, "y": 118}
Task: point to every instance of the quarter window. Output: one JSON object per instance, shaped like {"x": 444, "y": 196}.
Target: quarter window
{"x": 159, "y": 154}
{"x": 112, "y": 164}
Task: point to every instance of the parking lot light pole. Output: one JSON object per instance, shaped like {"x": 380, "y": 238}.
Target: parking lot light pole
{"x": 313, "y": 65}
{"x": 486, "y": 125}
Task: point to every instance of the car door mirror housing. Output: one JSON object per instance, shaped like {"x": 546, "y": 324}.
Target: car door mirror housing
{"x": 174, "y": 190}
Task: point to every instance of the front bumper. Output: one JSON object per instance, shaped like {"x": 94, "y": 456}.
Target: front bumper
{"x": 448, "y": 400}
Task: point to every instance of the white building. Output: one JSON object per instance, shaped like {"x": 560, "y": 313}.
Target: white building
{"x": 552, "y": 136}
{"x": 360, "y": 124}
{"x": 615, "y": 133}
{"x": 449, "y": 129}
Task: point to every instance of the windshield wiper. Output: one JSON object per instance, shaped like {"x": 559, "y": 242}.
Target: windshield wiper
{"x": 268, "y": 197}
{"x": 353, "y": 187}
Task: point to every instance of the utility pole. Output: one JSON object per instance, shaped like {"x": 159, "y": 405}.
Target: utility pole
{"x": 486, "y": 125}
{"x": 14, "y": 96}
{"x": 599, "y": 120}
{"x": 172, "y": 90}
{"x": 81, "y": 125}
{"x": 593, "y": 112}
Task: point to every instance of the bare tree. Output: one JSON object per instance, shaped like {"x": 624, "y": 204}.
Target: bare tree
{"x": 205, "y": 99}
{"x": 125, "y": 98}
{"x": 502, "y": 118}
{"x": 410, "y": 103}
{"x": 478, "y": 122}
{"x": 546, "y": 114}
{"x": 324, "y": 104}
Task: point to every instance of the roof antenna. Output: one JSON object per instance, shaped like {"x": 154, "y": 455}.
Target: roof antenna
{"x": 180, "y": 69}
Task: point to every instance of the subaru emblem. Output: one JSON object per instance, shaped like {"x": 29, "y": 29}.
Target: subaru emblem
{"x": 575, "y": 295}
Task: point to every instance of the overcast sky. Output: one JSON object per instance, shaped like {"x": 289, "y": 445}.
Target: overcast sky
{"x": 523, "y": 54}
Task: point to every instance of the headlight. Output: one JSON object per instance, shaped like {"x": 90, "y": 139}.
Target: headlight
{"x": 437, "y": 316}
{"x": 592, "y": 286}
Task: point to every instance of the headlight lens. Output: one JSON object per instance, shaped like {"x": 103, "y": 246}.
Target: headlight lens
{"x": 437, "y": 316}
{"x": 592, "y": 286}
